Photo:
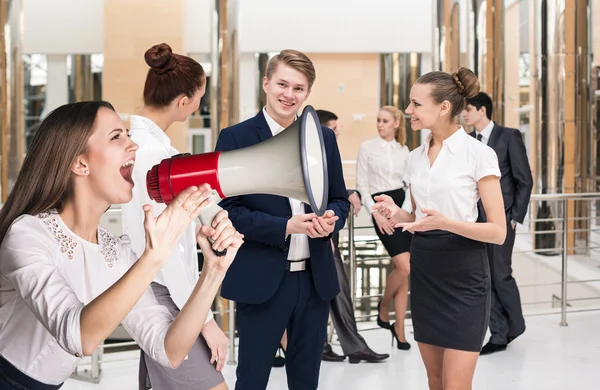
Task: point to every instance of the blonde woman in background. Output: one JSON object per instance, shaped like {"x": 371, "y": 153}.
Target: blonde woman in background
{"x": 380, "y": 170}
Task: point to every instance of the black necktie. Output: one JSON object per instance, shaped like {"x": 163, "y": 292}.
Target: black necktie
{"x": 479, "y": 136}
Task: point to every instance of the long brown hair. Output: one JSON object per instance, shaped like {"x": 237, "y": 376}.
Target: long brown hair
{"x": 45, "y": 180}
{"x": 400, "y": 131}
{"x": 170, "y": 75}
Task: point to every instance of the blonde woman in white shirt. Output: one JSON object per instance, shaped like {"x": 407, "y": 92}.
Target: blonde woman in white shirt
{"x": 66, "y": 283}
{"x": 450, "y": 277}
{"x": 173, "y": 89}
{"x": 380, "y": 170}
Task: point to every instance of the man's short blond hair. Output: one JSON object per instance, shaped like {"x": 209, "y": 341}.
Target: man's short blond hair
{"x": 295, "y": 60}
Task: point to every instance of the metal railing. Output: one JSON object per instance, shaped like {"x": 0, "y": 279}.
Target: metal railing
{"x": 562, "y": 202}
{"x": 350, "y": 248}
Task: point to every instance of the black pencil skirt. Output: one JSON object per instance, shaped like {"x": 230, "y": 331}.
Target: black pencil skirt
{"x": 450, "y": 290}
{"x": 399, "y": 242}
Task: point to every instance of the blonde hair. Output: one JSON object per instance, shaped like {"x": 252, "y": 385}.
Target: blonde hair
{"x": 400, "y": 134}
{"x": 295, "y": 60}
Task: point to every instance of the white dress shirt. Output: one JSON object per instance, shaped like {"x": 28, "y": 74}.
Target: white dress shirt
{"x": 47, "y": 275}
{"x": 449, "y": 186}
{"x": 299, "y": 248}
{"x": 486, "y": 132}
{"x": 180, "y": 273}
{"x": 380, "y": 166}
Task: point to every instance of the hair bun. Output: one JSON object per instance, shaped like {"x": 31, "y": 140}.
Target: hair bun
{"x": 459, "y": 84}
{"x": 467, "y": 82}
{"x": 160, "y": 57}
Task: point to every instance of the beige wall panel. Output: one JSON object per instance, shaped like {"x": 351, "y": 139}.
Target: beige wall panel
{"x": 130, "y": 28}
{"x": 511, "y": 66}
{"x": 348, "y": 85}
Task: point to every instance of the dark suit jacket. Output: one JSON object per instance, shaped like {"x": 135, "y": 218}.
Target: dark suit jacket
{"x": 516, "y": 180}
{"x": 260, "y": 263}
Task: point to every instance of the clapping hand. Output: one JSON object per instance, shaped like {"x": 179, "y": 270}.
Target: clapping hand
{"x": 386, "y": 207}
{"x": 322, "y": 226}
{"x": 385, "y": 226}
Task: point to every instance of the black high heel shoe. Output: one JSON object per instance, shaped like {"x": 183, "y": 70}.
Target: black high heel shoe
{"x": 279, "y": 360}
{"x": 382, "y": 324}
{"x": 403, "y": 345}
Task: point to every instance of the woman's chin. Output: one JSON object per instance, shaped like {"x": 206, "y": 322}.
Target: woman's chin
{"x": 416, "y": 126}
{"x": 122, "y": 198}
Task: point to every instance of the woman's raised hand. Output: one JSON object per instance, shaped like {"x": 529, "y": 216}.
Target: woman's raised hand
{"x": 165, "y": 231}
{"x": 225, "y": 237}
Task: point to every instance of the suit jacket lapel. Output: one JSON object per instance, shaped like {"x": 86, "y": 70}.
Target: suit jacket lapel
{"x": 263, "y": 130}
{"x": 494, "y": 136}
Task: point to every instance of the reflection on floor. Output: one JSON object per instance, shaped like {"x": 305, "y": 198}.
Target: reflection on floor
{"x": 547, "y": 357}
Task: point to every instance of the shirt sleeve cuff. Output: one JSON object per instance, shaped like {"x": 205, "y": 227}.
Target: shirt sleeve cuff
{"x": 209, "y": 317}
{"x": 73, "y": 333}
{"x": 487, "y": 172}
{"x": 159, "y": 354}
{"x": 369, "y": 203}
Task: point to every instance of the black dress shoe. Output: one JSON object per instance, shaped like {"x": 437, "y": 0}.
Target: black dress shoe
{"x": 330, "y": 356}
{"x": 511, "y": 338}
{"x": 402, "y": 345}
{"x": 491, "y": 348}
{"x": 279, "y": 360}
{"x": 368, "y": 355}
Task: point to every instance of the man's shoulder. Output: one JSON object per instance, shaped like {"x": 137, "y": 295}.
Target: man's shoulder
{"x": 508, "y": 131}
{"x": 241, "y": 127}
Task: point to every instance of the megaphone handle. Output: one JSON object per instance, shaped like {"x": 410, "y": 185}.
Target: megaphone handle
{"x": 207, "y": 216}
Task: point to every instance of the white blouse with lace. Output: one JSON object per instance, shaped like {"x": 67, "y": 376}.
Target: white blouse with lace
{"x": 47, "y": 275}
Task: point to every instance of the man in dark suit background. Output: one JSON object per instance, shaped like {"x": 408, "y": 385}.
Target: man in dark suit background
{"x": 342, "y": 308}
{"x": 284, "y": 275}
{"x": 506, "y": 317}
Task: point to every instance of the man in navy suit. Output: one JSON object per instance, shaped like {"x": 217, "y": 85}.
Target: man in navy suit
{"x": 506, "y": 317}
{"x": 284, "y": 276}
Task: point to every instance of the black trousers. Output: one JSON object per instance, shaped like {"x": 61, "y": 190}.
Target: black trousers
{"x": 506, "y": 317}
{"x": 297, "y": 307}
{"x": 342, "y": 312}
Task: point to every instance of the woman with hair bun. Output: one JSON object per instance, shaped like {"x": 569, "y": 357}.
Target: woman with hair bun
{"x": 450, "y": 277}
{"x": 172, "y": 92}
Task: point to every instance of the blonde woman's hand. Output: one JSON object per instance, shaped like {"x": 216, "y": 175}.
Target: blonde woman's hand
{"x": 384, "y": 225}
{"x": 386, "y": 207}
{"x": 165, "y": 231}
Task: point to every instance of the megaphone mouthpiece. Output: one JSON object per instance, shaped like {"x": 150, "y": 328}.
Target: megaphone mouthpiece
{"x": 173, "y": 175}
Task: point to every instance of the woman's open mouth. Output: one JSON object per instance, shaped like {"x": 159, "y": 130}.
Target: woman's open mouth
{"x": 127, "y": 171}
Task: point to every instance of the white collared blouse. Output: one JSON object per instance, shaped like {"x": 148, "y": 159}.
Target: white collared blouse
{"x": 449, "y": 186}
{"x": 47, "y": 275}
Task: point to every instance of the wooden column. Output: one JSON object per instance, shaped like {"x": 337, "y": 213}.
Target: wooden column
{"x": 130, "y": 28}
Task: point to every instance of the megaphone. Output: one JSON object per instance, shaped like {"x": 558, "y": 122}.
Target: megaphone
{"x": 291, "y": 164}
